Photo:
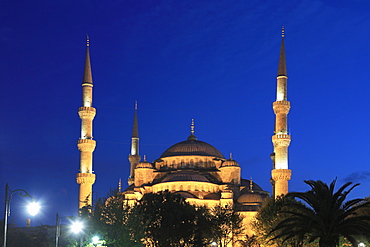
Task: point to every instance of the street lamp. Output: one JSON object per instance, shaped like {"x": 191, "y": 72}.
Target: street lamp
{"x": 57, "y": 228}
{"x": 95, "y": 240}
{"x": 77, "y": 227}
{"x": 33, "y": 208}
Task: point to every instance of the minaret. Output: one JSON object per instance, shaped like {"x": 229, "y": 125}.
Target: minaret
{"x": 86, "y": 144}
{"x": 134, "y": 156}
{"x": 281, "y": 139}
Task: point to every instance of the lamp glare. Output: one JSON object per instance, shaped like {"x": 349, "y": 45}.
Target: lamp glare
{"x": 33, "y": 208}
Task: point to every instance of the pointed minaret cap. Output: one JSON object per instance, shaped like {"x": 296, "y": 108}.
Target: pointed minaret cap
{"x": 135, "y": 128}
{"x": 282, "y": 62}
{"x": 192, "y": 136}
{"x": 87, "y": 71}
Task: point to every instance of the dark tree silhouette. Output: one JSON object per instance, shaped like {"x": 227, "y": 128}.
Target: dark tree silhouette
{"x": 164, "y": 219}
{"x": 227, "y": 224}
{"x": 326, "y": 216}
{"x": 109, "y": 221}
{"x": 269, "y": 215}
{"x": 167, "y": 219}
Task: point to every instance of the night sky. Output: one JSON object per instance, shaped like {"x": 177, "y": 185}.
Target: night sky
{"x": 214, "y": 61}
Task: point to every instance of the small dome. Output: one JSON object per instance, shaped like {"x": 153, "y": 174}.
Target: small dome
{"x": 144, "y": 164}
{"x": 229, "y": 162}
{"x": 251, "y": 198}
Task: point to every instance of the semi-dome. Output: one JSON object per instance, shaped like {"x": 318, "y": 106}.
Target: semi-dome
{"x": 185, "y": 176}
{"x": 251, "y": 198}
{"x": 192, "y": 147}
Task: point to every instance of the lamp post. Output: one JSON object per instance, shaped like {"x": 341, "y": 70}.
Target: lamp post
{"x": 33, "y": 208}
{"x": 57, "y": 228}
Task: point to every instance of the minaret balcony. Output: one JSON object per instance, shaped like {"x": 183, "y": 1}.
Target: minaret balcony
{"x": 281, "y": 140}
{"x": 281, "y": 107}
{"x": 85, "y": 178}
{"x": 86, "y": 112}
{"x": 281, "y": 174}
{"x": 86, "y": 145}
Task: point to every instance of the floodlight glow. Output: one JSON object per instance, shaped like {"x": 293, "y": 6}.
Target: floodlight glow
{"x": 95, "y": 239}
{"x": 77, "y": 227}
{"x": 33, "y": 208}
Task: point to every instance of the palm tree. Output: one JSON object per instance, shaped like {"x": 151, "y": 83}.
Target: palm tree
{"x": 325, "y": 215}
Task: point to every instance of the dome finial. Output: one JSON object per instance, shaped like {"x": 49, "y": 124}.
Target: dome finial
{"x": 282, "y": 31}
{"x": 231, "y": 156}
{"x": 192, "y": 136}
{"x": 192, "y": 127}
{"x": 144, "y": 157}
{"x": 87, "y": 40}
{"x": 251, "y": 184}
{"x": 119, "y": 185}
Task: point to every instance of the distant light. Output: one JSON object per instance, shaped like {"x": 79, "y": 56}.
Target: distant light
{"x": 95, "y": 239}
{"x": 33, "y": 208}
{"x": 361, "y": 244}
{"x": 214, "y": 244}
{"x": 77, "y": 227}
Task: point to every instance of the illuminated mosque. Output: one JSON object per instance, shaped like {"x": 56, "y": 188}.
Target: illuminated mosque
{"x": 192, "y": 168}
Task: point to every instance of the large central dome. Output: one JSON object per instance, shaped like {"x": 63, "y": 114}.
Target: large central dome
{"x": 192, "y": 147}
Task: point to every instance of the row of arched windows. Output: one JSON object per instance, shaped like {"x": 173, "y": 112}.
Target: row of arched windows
{"x": 176, "y": 163}
{"x": 193, "y": 186}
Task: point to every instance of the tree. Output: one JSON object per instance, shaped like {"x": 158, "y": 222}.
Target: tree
{"x": 167, "y": 219}
{"x": 164, "y": 219}
{"x": 268, "y": 216}
{"x": 228, "y": 224}
{"x": 249, "y": 241}
{"x": 109, "y": 221}
{"x": 325, "y": 216}
{"x": 204, "y": 227}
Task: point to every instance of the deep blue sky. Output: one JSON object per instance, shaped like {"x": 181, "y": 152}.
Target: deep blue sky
{"x": 214, "y": 61}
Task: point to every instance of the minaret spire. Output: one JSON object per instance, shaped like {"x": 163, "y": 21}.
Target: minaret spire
{"x": 282, "y": 61}
{"x": 135, "y": 133}
{"x": 86, "y": 144}
{"x": 134, "y": 156}
{"x": 87, "y": 78}
{"x": 281, "y": 139}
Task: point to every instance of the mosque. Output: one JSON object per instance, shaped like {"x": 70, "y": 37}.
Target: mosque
{"x": 192, "y": 168}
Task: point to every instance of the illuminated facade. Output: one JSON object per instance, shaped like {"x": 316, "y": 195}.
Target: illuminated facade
{"x": 192, "y": 168}
{"x": 197, "y": 171}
